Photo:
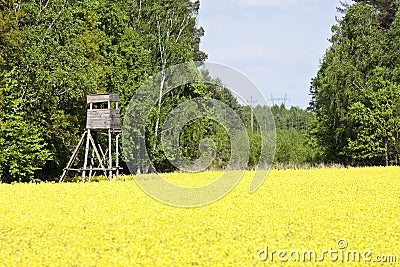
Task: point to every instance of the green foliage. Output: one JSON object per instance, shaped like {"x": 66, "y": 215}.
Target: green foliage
{"x": 293, "y": 118}
{"x": 22, "y": 147}
{"x": 376, "y": 121}
{"x": 292, "y": 134}
{"x": 168, "y": 31}
{"x": 22, "y": 150}
{"x": 355, "y": 92}
{"x": 385, "y": 8}
{"x": 60, "y": 51}
{"x": 292, "y": 147}
{"x": 52, "y": 54}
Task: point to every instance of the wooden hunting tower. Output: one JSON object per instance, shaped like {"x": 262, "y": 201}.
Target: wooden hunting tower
{"x": 105, "y": 117}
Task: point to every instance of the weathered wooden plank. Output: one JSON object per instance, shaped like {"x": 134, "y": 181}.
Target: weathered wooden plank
{"x": 102, "y": 98}
{"x": 103, "y": 119}
{"x": 103, "y": 126}
{"x": 108, "y": 120}
{"x": 106, "y": 112}
{"x": 103, "y": 111}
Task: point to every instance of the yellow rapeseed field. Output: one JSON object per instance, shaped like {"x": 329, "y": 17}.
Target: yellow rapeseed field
{"x": 322, "y": 217}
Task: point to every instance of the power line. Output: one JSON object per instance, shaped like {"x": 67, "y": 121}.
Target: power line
{"x": 252, "y": 102}
{"x": 280, "y": 100}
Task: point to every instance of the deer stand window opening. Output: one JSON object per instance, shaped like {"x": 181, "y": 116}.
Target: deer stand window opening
{"x": 106, "y": 117}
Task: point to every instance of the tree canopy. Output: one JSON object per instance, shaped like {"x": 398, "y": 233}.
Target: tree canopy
{"x": 355, "y": 94}
{"x": 54, "y": 53}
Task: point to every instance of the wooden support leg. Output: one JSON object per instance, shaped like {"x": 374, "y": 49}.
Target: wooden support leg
{"x": 98, "y": 156}
{"x": 102, "y": 153}
{"x": 117, "y": 156}
{"x": 110, "y": 154}
{"x": 86, "y": 155}
{"x": 73, "y": 157}
{"x": 91, "y": 172}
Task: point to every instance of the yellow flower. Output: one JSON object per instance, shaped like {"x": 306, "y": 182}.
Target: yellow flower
{"x": 117, "y": 224}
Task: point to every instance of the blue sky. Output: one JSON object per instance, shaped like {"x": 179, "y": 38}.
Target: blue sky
{"x": 278, "y": 44}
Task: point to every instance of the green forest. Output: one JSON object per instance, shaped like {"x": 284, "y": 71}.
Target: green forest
{"x": 356, "y": 93}
{"x": 54, "y": 53}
